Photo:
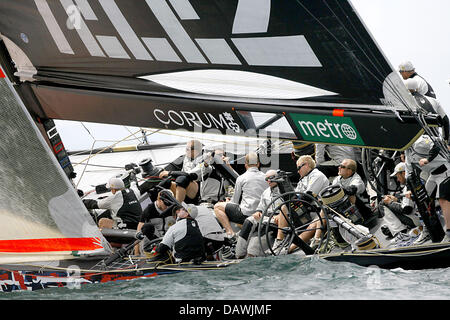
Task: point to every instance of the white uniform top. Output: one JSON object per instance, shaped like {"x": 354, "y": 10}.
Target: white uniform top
{"x": 114, "y": 202}
{"x": 336, "y": 153}
{"x": 197, "y": 166}
{"x": 207, "y": 222}
{"x": 354, "y": 180}
{"x": 267, "y": 197}
{"x": 315, "y": 181}
{"x": 422, "y": 84}
{"x": 437, "y": 107}
{"x": 427, "y": 102}
{"x": 419, "y": 150}
{"x": 405, "y": 201}
{"x": 177, "y": 233}
{"x": 248, "y": 189}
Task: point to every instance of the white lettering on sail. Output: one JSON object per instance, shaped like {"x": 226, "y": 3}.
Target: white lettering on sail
{"x": 75, "y": 21}
{"x": 86, "y": 10}
{"x": 251, "y": 16}
{"x": 53, "y": 27}
{"x": 205, "y": 120}
{"x": 124, "y": 29}
{"x": 176, "y": 32}
{"x": 157, "y": 113}
{"x": 286, "y": 51}
{"x": 184, "y": 9}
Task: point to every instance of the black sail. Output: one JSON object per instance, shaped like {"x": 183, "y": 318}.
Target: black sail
{"x": 100, "y": 61}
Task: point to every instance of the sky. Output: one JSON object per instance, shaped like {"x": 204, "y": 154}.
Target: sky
{"x": 413, "y": 30}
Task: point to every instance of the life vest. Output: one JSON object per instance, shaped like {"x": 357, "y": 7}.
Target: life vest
{"x": 131, "y": 209}
{"x": 191, "y": 245}
{"x": 430, "y": 91}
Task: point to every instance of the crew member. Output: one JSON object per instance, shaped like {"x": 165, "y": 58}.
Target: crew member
{"x": 247, "y": 244}
{"x": 408, "y": 71}
{"x": 184, "y": 238}
{"x": 123, "y": 205}
{"x": 353, "y": 186}
{"x": 328, "y": 158}
{"x": 247, "y": 193}
{"x": 312, "y": 181}
{"x": 424, "y": 154}
{"x": 214, "y": 187}
{"x": 213, "y": 235}
{"x": 156, "y": 219}
{"x": 194, "y": 170}
{"x": 399, "y": 213}
{"x": 429, "y": 105}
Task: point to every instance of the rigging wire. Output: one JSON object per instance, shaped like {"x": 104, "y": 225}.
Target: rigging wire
{"x": 390, "y": 86}
{"x": 85, "y": 162}
{"x": 93, "y": 155}
{"x": 84, "y": 169}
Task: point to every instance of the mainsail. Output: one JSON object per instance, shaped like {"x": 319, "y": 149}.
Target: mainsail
{"x": 138, "y": 62}
{"x": 42, "y": 216}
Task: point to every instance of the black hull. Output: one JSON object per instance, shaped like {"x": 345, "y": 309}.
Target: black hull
{"x": 429, "y": 256}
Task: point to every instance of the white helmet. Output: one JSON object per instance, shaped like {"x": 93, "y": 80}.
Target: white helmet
{"x": 411, "y": 84}
{"x": 406, "y": 66}
{"x": 115, "y": 183}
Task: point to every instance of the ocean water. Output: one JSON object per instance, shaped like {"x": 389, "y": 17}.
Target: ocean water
{"x": 266, "y": 279}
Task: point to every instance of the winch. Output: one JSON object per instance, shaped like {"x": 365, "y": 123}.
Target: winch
{"x": 339, "y": 209}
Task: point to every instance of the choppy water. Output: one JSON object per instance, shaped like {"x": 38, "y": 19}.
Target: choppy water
{"x": 270, "y": 278}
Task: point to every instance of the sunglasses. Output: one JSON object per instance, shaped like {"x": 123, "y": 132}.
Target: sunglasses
{"x": 342, "y": 166}
{"x": 300, "y": 166}
{"x": 270, "y": 178}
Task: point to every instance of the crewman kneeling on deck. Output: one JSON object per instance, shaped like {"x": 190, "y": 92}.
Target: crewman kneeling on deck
{"x": 123, "y": 205}
{"x": 184, "y": 238}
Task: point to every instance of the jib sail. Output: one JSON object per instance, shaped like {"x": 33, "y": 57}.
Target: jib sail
{"x": 42, "y": 216}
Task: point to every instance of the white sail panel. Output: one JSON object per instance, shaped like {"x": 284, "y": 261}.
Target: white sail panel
{"x": 236, "y": 84}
